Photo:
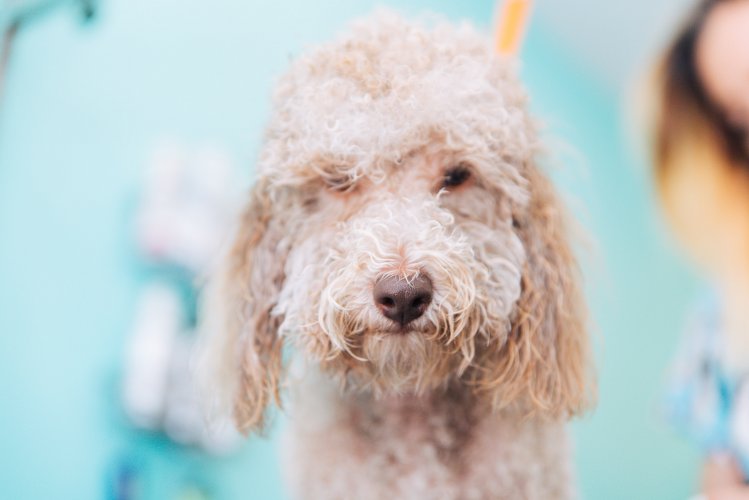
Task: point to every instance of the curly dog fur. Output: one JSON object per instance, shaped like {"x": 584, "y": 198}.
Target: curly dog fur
{"x": 469, "y": 402}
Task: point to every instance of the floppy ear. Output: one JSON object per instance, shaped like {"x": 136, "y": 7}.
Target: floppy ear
{"x": 545, "y": 362}
{"x": 243, "y": 348}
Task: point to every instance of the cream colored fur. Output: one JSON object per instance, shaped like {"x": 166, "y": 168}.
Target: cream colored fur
{"x": 472, "y": 402}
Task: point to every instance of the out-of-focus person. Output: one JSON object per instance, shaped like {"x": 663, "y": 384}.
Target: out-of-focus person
{"x": 701, "y": 160}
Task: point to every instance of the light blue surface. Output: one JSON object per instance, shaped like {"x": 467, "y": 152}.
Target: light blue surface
{"x": 83, "y": 107}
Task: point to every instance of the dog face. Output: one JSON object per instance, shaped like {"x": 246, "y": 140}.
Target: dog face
{"x": 399, "y": 234}
{"x": 392, "y": 282}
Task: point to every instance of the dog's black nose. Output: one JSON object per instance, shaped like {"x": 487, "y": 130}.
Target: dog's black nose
{"x": 403, "y": 300}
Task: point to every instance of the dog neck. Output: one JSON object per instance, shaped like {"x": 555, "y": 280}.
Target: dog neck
{"x": 445, "y": 430}
{"x": 446, "y": 414}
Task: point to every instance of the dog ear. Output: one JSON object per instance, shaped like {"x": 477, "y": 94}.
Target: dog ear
{"x": 244, "y": 349}
{"x": 545, "y": 361}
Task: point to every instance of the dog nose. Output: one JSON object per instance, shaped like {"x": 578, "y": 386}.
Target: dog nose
{"x": 403, "y": 300}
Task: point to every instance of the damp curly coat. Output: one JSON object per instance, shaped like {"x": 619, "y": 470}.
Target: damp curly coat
{"x": 395, "y": 152}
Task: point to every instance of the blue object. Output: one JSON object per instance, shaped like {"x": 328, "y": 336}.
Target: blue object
{"x": 706, "y": 403}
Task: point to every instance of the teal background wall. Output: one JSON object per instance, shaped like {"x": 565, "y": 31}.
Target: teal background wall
{"x": 82, "y": 109}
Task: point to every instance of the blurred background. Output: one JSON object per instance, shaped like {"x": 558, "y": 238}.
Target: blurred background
{"x": 108, "y": 105}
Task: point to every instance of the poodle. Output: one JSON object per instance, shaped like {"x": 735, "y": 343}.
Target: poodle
{"x": 401, "y": 270}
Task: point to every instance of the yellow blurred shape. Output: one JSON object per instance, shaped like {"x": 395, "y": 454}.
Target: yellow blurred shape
{"x": 511, "y": 23}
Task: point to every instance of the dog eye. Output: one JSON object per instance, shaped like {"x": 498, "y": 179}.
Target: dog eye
{"x": 456, "y": 176}
{"x": 340, "y": 184}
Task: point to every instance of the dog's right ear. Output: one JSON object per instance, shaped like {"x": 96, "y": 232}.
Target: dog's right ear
{"x": 241, "y": 347}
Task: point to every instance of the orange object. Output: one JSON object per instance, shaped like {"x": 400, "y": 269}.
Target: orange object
{"x": 512, "y": 20}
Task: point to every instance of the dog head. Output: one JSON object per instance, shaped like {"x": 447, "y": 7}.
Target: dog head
{"x": 399, "y": 233}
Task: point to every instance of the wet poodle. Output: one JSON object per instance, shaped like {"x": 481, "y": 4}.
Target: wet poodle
{"x": 401, "y": 273}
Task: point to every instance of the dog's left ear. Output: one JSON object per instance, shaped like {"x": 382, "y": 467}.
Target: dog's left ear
{"x": 545, "y": 362}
